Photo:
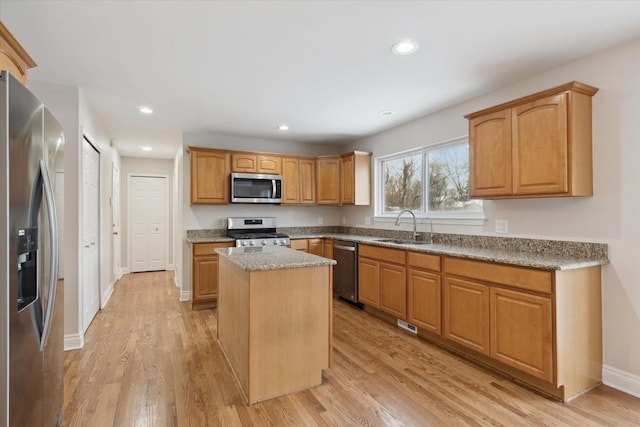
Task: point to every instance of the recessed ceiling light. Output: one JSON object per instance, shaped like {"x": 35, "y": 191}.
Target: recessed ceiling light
{"x": 145, "y": 110}
{"x": 283, "y": 127}
{"x": 385, "y": 112}
{"x": 146, "y": 148}
{"x": 405, "y": 47}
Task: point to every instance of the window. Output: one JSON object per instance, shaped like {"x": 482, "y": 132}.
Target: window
{"x": 430, "y": 181}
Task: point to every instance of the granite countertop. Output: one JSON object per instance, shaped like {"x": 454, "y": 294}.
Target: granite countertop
{"x": 272, "y": 258}
{"x": 504, "y": 256}
{"x": 533, "y": 253}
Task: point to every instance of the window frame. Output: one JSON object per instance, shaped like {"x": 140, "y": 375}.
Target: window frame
{"x": 442, "y": 217}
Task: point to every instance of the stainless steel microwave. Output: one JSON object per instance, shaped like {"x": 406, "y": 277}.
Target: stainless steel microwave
{"x": 256, "y": 188}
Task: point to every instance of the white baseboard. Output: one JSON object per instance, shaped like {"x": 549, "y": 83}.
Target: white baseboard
{"x": 73, "y": 342}
{"x": 621, "y": 380}
{"x": 107, "y": 295}
{"x": 171, "y": 267}
{"x": 185, "y": 296}
{"x": 175, "y": 280}
{"x": 124, "y": 270}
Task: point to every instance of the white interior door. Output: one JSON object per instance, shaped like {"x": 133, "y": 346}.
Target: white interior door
{"x": 90, "y": 232}
{"x": 148, "y": 223}
{"x": 115, "y": 220}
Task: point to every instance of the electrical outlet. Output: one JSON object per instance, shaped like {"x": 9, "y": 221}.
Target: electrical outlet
{"x": 344, "y": 220}
{"x": 502, "y": 226}
{"x": 367, "y": 220}
{"x": 320, "y": 220}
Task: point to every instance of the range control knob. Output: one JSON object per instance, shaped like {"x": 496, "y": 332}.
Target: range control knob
{"x": 264, "y": 243}
{"x": 252, "y": 243}
{"x": 274, "y": 241}
{"x": 243, "y": 243}
{"x": 283, "y": 242}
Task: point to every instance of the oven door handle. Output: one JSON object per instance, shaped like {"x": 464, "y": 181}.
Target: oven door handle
{"x": 346, "y": 248}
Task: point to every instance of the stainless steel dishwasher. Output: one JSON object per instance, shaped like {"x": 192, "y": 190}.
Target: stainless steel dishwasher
{"x": 345, "y": 272}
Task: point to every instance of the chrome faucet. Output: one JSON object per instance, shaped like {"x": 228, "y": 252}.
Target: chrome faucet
{"x": 415, "y": 233}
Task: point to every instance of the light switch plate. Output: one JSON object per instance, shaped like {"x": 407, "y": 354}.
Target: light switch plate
{"x": 367, "y": 220}
{"x": 320, "y": 220}
{"x": 502, "y": 226}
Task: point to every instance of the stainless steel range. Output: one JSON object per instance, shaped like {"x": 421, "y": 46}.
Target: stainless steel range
{"x": 256, "y": 231}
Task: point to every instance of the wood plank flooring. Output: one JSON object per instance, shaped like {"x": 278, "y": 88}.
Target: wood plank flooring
{"x": 149, "y": 360}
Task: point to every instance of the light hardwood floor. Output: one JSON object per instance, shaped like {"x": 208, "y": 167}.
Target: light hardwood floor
{"x": 149, "y": 360}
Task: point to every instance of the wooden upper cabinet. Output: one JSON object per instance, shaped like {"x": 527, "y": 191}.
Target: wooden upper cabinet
{"x": 290, "y": 181}
{"x": 256, "y": 163}
{"x": 490, "y": 155}
{"x": 307, "y": 189}
{"x": 328, "y": 180}
{"x": 299, "y": 180}
{"x": 209, "y": 176}
{"x": 356, "y": 178}
{"x": 536, "y": 146}
{"x": 13, "y": 57}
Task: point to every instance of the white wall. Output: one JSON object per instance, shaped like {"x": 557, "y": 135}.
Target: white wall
{"x": 68, "y": 105}
{"x": 143, "y": 166}
{"x": 611, "y": 216}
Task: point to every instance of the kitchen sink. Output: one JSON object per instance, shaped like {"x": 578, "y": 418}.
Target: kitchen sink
{"x": 403, "y": 241}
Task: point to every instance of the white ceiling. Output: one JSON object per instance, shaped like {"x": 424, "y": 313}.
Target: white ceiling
{"x": 323, "y": 67}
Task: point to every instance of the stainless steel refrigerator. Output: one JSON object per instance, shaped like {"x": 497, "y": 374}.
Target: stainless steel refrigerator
{"x": 31, "y": 312}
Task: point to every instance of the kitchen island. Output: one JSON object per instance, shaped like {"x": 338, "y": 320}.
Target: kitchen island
{"x": 274, "y": 319}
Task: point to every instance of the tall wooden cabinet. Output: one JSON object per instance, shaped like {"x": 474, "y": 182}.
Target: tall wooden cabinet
{"x": 535, "y": 146}
{"x": 204, "y": 280}
{"x": 209, "y": 176}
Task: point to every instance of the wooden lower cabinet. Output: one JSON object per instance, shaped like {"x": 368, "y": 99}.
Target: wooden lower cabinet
{"x": 204, "y": 273}
{"x": 369, "y": 282}
{"x": 316, "y": 246}
{"x": 466, "y": 314}
{"x": 393, "y": 289}
{"x": 522, "y": 332}
{"x": 328, "y": 248}
{"x": 300, "y": 245}
{"x": 424, "y": 300}
{"x": 382, "y": 279}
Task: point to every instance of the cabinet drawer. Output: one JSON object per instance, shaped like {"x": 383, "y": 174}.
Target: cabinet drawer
{"x": 209, "y": 248}
{"x": 390, "y": 255}
{"x": 424, "y": 261}
{"x": 517, "y": 277}
{"x": 300, "y": 244}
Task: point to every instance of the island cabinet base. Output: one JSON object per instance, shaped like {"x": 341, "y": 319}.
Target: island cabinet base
{"x": 274, "y": 327}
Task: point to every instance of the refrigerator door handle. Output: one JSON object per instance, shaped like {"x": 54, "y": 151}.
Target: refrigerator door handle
{"x": 53, "y": 243}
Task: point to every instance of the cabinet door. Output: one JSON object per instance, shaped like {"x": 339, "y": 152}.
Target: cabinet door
{"x": 328, "y": 180}
{"x": 316, "y": 247}
{"x": 300, "y": 245}
{"x": 291, "y": 181}
{"x": 209, "y": 177}
{"x": 466, "y": 314}
{"x": 540, "y": 154}
{"x": 205, "y": 279}
{"x": 521, "y": 332}
{"x": 423, "y": 300}
{"x": 328, "y": 248}
{"x": 307, "y": 187}
{"x": 348, "y": 194}
{"x": 393, "y": 290}
{"x": 369, "y": 282}
{"x": 490, "y": 155}
{"x": 243, "y": 162}
{"x": 269, "y": 164}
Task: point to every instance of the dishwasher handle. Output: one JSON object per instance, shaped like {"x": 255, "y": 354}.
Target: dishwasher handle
{"x": 346, "y": 248}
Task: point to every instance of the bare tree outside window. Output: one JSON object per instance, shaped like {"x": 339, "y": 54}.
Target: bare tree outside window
{"x": 447, "y": 189}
